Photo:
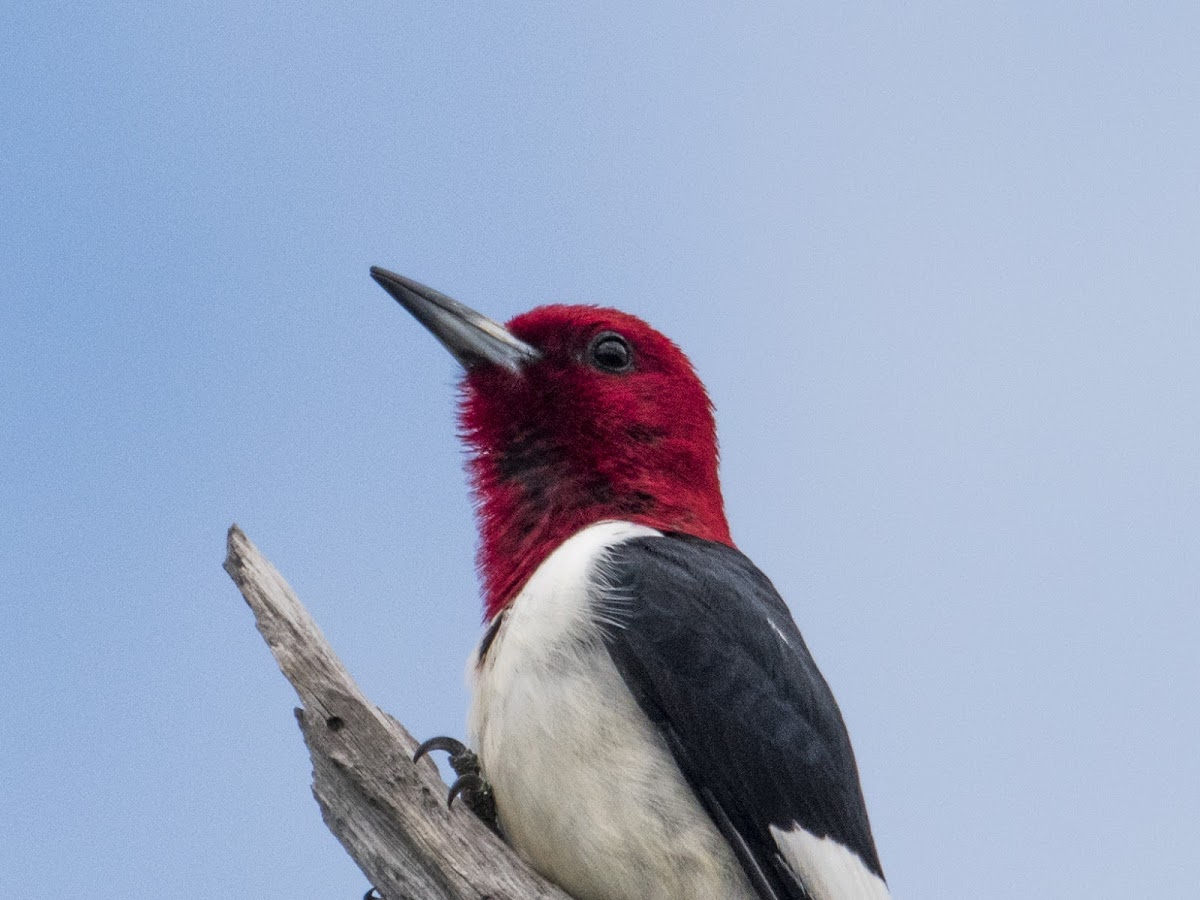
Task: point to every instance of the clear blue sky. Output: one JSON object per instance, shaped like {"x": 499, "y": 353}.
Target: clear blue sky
{"x": 939, "y": 265}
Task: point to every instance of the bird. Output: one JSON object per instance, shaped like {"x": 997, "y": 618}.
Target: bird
{"x": 646, "y": 720}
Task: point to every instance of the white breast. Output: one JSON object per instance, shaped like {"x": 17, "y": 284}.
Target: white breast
{"x": 586, "y": 788}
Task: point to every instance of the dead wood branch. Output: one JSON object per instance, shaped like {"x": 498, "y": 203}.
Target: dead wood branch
{"x": 389, "y": 813}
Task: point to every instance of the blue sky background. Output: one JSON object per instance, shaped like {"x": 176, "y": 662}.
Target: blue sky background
{"x": 939, "y": 265}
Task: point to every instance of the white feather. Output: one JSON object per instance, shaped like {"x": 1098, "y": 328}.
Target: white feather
{"x": 586, "y": 788}
{"x": 828, "y": 869}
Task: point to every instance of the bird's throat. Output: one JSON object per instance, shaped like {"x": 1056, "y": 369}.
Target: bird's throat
{"x": 525, "y": 512}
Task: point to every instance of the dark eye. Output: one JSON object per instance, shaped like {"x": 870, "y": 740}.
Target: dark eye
{"x": 610, "y": 352}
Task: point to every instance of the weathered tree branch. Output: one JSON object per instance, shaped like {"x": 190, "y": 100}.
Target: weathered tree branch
{"x": 389, "y": 813}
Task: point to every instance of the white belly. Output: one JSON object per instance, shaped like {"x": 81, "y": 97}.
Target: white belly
{"x": 586, "y": 789}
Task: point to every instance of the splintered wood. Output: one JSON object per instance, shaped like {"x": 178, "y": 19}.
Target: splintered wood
{"x": 389, "y": 813}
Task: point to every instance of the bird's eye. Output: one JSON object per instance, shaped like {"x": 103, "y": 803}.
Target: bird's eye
{"x": 610, "y": 352}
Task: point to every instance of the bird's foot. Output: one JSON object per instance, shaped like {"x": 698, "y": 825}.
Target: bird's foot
{"x": 469, "y": 785}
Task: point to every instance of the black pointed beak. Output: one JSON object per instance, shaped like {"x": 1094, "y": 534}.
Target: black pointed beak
{"x": 472, "y": 338}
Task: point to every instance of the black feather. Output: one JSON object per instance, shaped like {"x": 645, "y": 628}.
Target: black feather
{"x": 711, "y": 653}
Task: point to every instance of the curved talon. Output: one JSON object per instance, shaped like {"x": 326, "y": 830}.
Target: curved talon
{"x": 468, "y": 782}
{"x": 475, "y": 791}
{"x": 449, "y": 744}
{"x": 372, "y": 894}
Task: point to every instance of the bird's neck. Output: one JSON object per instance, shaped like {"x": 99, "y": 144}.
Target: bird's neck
{"x": 527, "y": 510}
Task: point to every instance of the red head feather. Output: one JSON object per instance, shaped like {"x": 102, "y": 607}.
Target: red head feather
{"x": 573, "y": 415}
{"x": 587, "y": 431}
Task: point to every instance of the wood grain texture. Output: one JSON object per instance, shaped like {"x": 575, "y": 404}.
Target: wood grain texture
{"x": 389, "y": 813}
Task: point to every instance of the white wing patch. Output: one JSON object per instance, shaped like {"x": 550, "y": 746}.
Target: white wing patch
{"x": 827, "y": 869}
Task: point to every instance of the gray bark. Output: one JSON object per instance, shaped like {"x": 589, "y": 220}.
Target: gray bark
{"x": 389, "y": 813}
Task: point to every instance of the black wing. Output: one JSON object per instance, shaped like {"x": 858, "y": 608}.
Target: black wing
{"x": 709, "y": 650}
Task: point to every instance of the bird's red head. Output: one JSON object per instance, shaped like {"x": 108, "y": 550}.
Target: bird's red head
{"x": 609, "y": 422}
{"x": 573, "y": 415}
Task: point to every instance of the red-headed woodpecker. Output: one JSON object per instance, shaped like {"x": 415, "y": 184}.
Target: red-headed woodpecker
{"x": 645, "y": 711}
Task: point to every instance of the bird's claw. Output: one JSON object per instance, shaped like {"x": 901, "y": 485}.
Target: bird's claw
{"x": 449, "y": 744}
{"x": 478, "y": 796}
{"x": 462, "y": 759}
{"x": 470, "y": 784}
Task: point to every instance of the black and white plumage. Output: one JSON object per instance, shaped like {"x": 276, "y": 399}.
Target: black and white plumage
{"x": 648, "y": 717}
{"x": 653, "y": 726}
